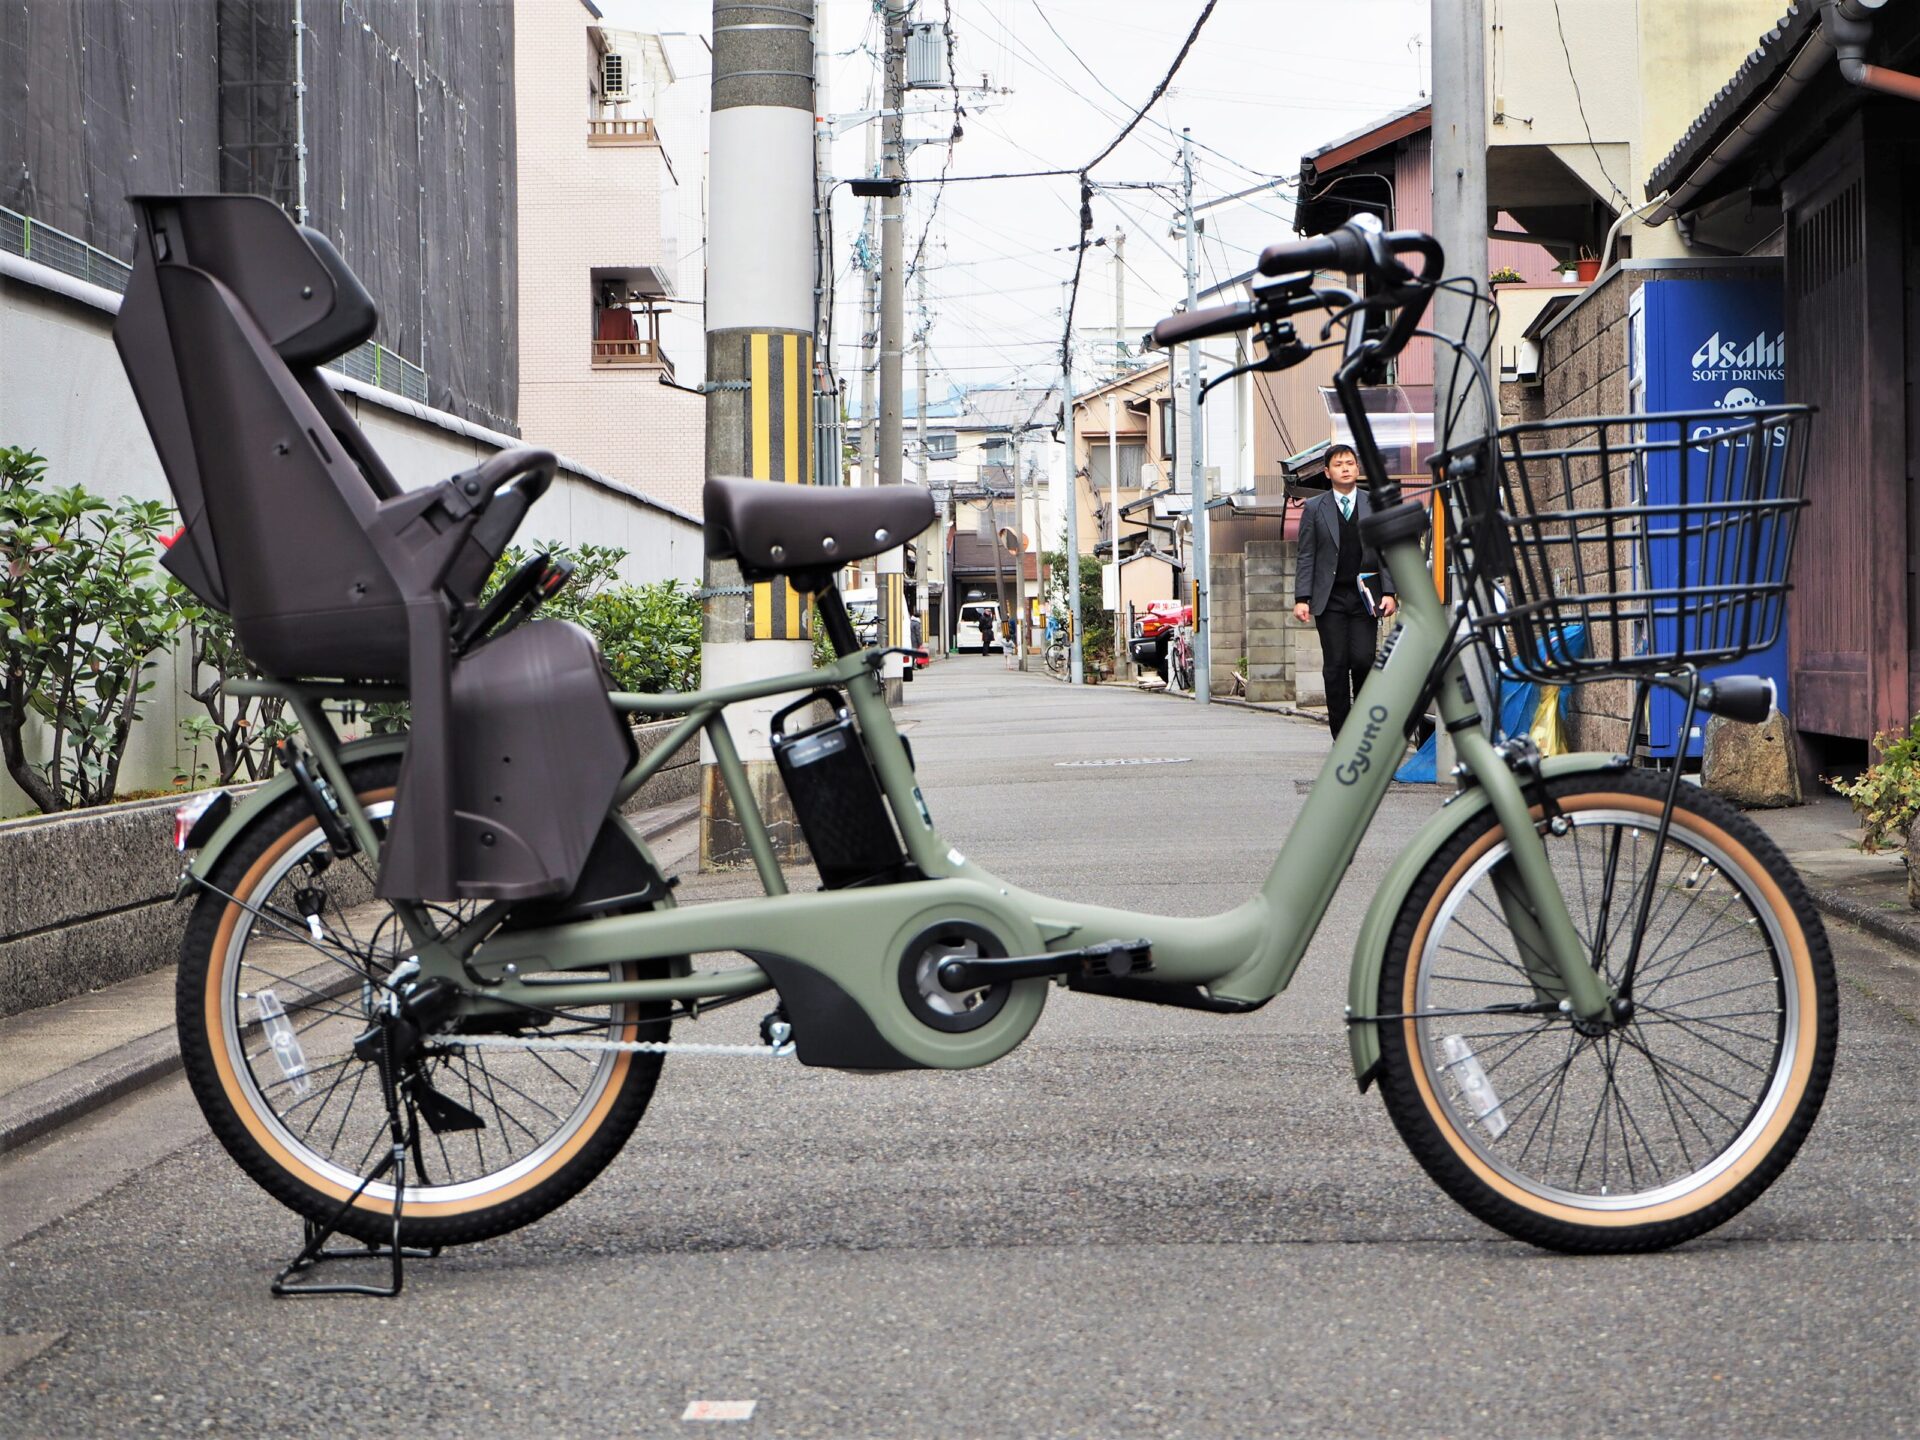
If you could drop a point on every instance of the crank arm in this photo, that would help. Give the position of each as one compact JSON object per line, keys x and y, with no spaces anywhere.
{"x":1113,"y":957}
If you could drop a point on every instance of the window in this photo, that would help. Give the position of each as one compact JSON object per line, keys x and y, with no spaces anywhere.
{"x":1133,"y":456}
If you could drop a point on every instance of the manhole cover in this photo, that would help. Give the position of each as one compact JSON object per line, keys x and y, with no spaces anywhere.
{"x":1137,"y":760}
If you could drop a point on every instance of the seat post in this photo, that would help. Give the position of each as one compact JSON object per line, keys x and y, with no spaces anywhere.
{"x":833,"y":615}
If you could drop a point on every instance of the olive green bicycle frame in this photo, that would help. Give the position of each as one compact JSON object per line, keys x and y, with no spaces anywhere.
{"x":855,"y":937}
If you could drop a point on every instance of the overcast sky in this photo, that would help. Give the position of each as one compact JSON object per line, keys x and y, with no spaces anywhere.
{"x":1267,"y":81}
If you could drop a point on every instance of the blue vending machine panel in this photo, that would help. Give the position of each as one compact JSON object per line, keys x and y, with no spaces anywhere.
{"x":1708,"y":344}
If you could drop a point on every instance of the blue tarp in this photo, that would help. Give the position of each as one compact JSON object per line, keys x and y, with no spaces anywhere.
{"x":1519,"y":701}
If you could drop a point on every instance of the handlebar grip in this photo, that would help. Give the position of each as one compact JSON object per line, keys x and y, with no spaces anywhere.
{"x":1343,"y":249}
{"x":1198,"y":324}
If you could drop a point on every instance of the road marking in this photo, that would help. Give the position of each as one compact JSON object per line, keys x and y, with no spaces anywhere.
{"x":719,"y":1410}
{"x":1142,"y":760}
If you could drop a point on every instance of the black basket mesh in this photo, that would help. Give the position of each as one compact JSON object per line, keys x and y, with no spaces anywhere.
{"x":1629,"y":545}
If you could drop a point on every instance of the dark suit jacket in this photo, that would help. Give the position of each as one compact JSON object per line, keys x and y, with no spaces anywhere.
{"x":1320,"y":550}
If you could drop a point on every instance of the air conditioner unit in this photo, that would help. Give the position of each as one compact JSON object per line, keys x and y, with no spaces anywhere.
{"x":613,"y":77}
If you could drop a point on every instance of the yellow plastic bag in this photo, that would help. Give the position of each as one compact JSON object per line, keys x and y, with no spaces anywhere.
{"x":1547,"y":730}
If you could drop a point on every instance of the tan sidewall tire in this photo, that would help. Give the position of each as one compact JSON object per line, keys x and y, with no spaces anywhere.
{"x":319,"y":1195}
{"x":1810,"y":1064}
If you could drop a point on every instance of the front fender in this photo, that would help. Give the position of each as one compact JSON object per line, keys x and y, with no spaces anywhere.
{"x":1370,"y":953}
{"x":371,"y":747}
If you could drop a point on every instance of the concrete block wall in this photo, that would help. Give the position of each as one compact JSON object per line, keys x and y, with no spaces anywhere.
{"x":1227,"y":616}
{"x":86,"y":897}
{"x":1269,"y":599}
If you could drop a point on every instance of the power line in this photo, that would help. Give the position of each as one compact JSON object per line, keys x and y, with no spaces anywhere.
{"x":1047,"y":20}
{"x":1561,"y":26}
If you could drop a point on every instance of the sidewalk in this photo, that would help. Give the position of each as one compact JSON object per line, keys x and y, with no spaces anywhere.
{"x":65,"y":1061}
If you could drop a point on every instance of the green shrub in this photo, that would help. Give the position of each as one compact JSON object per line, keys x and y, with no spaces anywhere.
{"x":82,"y":612}
{"x":1887,"y":795}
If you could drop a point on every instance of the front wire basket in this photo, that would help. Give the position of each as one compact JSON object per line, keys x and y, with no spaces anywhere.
{"x":1631,"y":545}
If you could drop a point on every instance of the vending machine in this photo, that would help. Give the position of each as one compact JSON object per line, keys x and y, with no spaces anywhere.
{"x":1703,"y":345}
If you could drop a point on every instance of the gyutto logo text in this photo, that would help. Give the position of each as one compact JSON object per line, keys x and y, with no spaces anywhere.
{"x":1764,"y":357}
{"x":1362,"y":761}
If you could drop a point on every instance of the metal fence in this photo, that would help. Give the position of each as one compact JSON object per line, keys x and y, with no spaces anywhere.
{"x":39,"y":242}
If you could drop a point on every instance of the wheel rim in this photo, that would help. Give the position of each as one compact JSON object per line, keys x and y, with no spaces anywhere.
{"x":535,"y":1104}
{"x":1649,"y":1116}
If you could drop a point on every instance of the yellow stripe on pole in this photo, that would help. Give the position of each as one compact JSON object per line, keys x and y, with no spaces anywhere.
{"x":792,"y":380}
{"x":762,"y":467}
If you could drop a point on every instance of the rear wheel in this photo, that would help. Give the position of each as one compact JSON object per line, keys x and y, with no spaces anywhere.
{"x":280,"y":972}
{"x":1628,"y":1136}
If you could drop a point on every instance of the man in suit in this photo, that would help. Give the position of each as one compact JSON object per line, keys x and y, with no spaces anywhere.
{"x":1328,"y":590}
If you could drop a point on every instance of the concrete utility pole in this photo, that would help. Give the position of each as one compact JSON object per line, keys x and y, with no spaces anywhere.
{"x":1113,"y":531}
{"x":1076,"y":667}
{"x":825,"y":411}
{"x":1197,"y":497}
{"x":1019,"y":616}
{"x":924,"y":570}
{"x":891,"y":567}
{"x":760,"y":315}
{"x":1460,"y":225}
{"x":870,"y":335}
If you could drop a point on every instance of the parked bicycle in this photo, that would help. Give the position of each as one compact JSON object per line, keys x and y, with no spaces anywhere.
{"x":428,"y":981}
{"x":1180,"y":659}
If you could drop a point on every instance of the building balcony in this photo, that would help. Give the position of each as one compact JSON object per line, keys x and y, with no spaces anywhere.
{"x":630,"y":354}
{"x":621,"y":132}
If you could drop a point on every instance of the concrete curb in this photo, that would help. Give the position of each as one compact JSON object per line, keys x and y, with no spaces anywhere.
{"x":47,"y":1105}
{"x":1905,"y":935}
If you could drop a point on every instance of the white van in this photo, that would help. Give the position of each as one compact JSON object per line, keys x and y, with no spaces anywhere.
{"x":863,"y":609}
{"x":967,"y":637}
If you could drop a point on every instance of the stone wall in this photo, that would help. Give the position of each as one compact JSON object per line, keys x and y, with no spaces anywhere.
{"x":1227,"y":618}
{"x":1283,"y":656}
{"x":86,"y":897}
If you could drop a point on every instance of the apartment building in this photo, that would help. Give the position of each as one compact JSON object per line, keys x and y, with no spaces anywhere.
{"x":612,"y":146}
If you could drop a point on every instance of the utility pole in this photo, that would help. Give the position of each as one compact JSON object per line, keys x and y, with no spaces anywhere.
{"x":1076,"y":670}
{"x":825,"y":410}
{"x":760,"y":317}
{"x":1460,"y":225}
{"x":870,"y":334}
{"x":1019,"y":616}
{"x":1196,"y":461}
{"x":1024,"y":478}
{"x":1113,"y":530}
{"x":924,"y":570}
{"x":891,"y":566}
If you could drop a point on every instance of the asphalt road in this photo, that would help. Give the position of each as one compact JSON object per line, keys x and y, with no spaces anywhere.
{"x":1144,"y":1222}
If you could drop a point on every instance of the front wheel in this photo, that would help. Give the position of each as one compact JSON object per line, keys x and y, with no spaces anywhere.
{"x":1622,"y":1137}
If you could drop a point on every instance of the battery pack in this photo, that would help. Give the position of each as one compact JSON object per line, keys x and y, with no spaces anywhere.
{"x":837,"y":797}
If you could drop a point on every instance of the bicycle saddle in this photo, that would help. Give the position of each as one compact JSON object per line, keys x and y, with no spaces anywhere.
{"x":776,"y":529}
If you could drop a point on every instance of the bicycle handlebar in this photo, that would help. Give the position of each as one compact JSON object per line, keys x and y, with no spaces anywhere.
{"x":1353,"y":249}
{"x":1198,"y":324}
{"x":1344,"y":249}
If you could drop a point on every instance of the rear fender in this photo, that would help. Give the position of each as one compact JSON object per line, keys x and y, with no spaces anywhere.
{"x":268,"y":794}
{"x":1370,"y":953}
